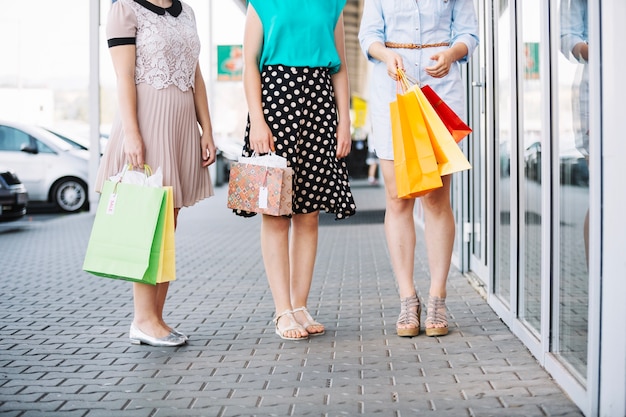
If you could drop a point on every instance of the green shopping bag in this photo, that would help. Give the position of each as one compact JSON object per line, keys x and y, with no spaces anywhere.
{"x":127,"y":233}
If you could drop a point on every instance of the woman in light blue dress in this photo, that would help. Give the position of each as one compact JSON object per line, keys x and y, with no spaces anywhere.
{"x":428,"y":39}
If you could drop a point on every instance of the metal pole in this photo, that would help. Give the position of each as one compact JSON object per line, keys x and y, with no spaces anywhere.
{"x":210,"y":81}
{"x":94,"y":100}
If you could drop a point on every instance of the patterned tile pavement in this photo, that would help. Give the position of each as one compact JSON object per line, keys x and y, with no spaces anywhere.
{"x":64,"y":347}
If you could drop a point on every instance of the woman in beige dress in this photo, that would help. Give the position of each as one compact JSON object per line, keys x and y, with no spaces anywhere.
{"x":163,"y":121}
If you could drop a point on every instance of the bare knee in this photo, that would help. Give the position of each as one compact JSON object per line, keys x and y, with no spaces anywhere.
{"x":438,"y":201}
{"x":276,"y":224}
{"x":306,"y":221}
{"x":400,"y":206}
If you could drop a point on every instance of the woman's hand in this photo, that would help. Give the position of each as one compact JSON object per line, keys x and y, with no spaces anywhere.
{"x":443,"y":62}
{"x":261,"y":139}
{"x":344,"y":141}
{"x":134,"y":150}
{"x":394,"y":62}
{"x":209,"y":152}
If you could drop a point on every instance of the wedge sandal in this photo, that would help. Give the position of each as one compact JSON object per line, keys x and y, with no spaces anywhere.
{"x":436,"y":318}
{"x":409,"y":318}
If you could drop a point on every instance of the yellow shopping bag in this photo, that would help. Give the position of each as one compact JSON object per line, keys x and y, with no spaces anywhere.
{"x":415,"y":165}
{"x":457,"y":127}
{"x":449,"y":156}
{"x":167,"y":260}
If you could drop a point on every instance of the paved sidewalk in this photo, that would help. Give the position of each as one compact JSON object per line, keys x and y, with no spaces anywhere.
{"x":64,"y":347}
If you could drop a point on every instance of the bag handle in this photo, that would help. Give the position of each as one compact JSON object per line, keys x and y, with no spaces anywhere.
{"x":270,"y":159}
{"x":146,"y":169}
{"x":404,"y":81}
{"x":266,"y":166}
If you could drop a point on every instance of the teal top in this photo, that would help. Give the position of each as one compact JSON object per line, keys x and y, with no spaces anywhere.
{"x":299,"y":33}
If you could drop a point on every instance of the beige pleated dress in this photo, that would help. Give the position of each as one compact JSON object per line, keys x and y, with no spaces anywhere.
{"x":168,"y":47}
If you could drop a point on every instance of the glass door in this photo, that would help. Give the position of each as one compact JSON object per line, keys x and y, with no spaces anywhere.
{"x":475,"y":227}
{"x":571,"y":220}
{"x":520,"y":137}
{"x":532,"y":154}
{"x":504,"y":66}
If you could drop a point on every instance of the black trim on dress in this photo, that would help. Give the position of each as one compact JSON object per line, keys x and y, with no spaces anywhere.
{"x":121,"y":41}
{"x":175,"y":9}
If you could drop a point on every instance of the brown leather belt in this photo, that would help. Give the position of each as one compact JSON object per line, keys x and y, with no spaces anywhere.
{"x":414,"y":45}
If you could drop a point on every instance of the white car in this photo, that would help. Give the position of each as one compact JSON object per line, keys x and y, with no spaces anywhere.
{"x":51,"y":169}
{"x":78,"y":142}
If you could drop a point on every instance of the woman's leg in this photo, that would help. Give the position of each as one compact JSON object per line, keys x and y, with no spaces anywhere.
{"x":147,"y":315}
{"x":400,"y":231}
{"x":149,"y":302}
{"x":275,"y":250}
{"x":303,"y":251}
{"x":161,"y":296}
{"x":439,"y":236}
{"x":162,"y":288}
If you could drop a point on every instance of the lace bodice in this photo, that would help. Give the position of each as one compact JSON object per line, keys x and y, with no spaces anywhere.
{"x":168,"y":47}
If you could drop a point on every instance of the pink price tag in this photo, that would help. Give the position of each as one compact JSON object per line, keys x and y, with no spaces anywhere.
{"x":111,"y":204}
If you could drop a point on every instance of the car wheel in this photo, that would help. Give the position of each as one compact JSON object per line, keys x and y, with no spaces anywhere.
{"x":70,"y":195}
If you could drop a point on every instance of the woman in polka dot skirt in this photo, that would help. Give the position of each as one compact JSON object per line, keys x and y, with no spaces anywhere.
{"x":296,"y":85}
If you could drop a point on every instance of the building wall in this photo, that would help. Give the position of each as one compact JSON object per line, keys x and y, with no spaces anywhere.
{"x":550,"y":253}
{"x":609,"y":121}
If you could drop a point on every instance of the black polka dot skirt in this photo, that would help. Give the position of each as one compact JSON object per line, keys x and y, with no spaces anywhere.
{"x":299,"y":108}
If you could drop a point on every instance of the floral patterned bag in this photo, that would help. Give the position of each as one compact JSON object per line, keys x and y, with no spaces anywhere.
{"x":261,"y":184}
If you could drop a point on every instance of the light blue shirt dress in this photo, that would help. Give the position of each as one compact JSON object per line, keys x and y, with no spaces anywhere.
{"x":418,"y":22}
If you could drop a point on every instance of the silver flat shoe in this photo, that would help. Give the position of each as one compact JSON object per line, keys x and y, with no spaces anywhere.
{"x":138,"y":337}
{"x":180,"y":334}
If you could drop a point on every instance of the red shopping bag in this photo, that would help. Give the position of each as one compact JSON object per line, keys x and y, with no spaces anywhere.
{"x":450,"y":158}
{"x":457,"y":127}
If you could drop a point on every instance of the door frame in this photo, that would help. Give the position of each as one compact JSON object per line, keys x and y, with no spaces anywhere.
{"x":480,"y":149}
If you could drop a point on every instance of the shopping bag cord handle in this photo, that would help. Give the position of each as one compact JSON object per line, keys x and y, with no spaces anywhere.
{"x":146,"y":168}
{"x":404,"y":81}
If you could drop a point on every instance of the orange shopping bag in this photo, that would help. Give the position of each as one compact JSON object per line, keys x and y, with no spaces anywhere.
{"x":449,"y":156}
{"x":415,"y":165}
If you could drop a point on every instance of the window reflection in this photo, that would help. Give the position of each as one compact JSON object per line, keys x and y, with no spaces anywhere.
{"x":504,"y":92}
{"x":533,"y":140}
{"x":573,"y":151}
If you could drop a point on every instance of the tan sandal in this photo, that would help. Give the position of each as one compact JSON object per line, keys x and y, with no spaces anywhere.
{"x":309,"y":322}
{"x":294,"y":325}
{"x":410,"y":312}
{"x":436,"y":317}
